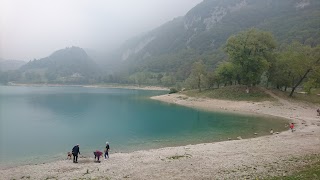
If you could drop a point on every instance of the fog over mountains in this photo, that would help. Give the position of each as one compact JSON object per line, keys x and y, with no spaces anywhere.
{"x":174,"y":46}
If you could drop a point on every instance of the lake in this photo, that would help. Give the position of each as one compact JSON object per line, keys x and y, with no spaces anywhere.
{"x":39,"y":124}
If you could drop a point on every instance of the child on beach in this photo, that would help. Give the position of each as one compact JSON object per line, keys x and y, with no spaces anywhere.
{"x":292,"y":127}
{"x":97,"y":155}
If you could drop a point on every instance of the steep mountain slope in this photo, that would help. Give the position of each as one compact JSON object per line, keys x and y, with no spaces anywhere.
{"x":206,"y":27}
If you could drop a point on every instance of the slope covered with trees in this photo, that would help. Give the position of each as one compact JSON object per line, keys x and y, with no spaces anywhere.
{"x":69,"y":65}
{"x":171,"y":49}
{"x":217,"y":43}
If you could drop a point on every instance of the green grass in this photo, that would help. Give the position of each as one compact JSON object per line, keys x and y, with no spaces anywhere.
{"x":309,"y":172}
{"x":236,"y":93}
{"x":257,"y":94}
{"x":179,"y":156}
{"x":312,"y":98}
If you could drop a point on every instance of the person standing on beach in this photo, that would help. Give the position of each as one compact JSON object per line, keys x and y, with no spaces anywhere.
{"x":106,"y":151}
{"x":75,"y":152}
{"x":292,"y":127}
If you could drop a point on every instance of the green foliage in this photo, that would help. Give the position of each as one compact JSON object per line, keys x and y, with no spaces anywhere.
{"x":180,"y":42}
{"x":198,"y":74}
{"x":173,"y":90}
{"x":309,"y":172}
{"x":211,"y":80}
{"x":309,"y":98}
{"x":226,"y":72}
{"x":176,"y":157}
{"x":67,"y":66}
{"x":168,"y":80}
{"x":250,"y":51}
{"x":9,"y":76}
{"x":297,"y":62}
{"x":166,"y":55}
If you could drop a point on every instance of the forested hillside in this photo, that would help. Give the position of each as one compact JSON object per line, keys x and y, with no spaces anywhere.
{"x":69,"y":65}
{"x":202,"y":32}
{"x":202,"y":49}
{"x":8,"y":65}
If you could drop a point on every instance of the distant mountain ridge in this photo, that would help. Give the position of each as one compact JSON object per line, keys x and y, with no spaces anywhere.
{"x":9,"y":65}
{"x":206,"y":27}
{"x":63,"y":65}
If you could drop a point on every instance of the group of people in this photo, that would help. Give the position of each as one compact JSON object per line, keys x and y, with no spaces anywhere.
{"x":97,"y":153}
{"x":291,"y":125}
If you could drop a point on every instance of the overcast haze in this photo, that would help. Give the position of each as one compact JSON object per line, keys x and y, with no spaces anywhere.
{"x":35,"y":28}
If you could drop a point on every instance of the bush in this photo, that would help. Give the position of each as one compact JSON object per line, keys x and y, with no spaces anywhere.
{"x":173,"y":90}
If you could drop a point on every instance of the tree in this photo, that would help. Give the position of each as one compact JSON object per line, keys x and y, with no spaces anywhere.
{"x":211,"y":79}
{"x":168,"y":80}
{"x":139,"y":78}
{"x":302,"y":61}
{"x":251,"y":50}
{"x":159,"y":77}
{"x":279,"y":73}
{"x":198,"y":74}
{"x":226,"y":72}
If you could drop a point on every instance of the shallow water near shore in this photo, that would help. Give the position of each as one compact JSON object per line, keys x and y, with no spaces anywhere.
{"x":41,"y":124}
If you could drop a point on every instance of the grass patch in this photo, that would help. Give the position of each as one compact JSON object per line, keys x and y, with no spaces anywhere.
{"x":51,"y":177}
{"x":312,"y":98}
{"x":25,"y":177}
{"x":308,"y":172}
{"x":175,"y":157}
{"x":236,"y":93}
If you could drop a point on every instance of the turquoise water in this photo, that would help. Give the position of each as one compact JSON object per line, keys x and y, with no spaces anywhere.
{"x":44,"y":123}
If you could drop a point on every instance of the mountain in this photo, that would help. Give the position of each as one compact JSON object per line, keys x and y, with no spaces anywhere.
{"x":69,"y":65}
{"x":8,"y":65}
{"x":202,"y":32}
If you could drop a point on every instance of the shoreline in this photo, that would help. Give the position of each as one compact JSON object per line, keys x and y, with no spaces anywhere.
{"x":236,"y":159}
{"x":294,"y":112}
{"x":156,"y":88}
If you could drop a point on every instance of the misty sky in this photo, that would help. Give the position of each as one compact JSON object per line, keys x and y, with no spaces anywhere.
{"x":35,"y":28}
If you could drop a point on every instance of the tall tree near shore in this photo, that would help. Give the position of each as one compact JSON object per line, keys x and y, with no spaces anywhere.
{"x":250,"y":50}
{"x":198,"y":75}
{"x":279,"y":73}
{"x":227,"y":72}
{"x":302,"y":61}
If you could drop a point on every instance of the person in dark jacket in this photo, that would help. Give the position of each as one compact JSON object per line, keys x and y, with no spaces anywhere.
{"x":75,"y":152}
{"x":106,"y":151}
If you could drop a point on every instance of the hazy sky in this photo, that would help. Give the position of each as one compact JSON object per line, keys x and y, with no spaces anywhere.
{"x":35,"y":28}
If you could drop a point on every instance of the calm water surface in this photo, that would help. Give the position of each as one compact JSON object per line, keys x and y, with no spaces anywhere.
{"x":44,"y":123}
